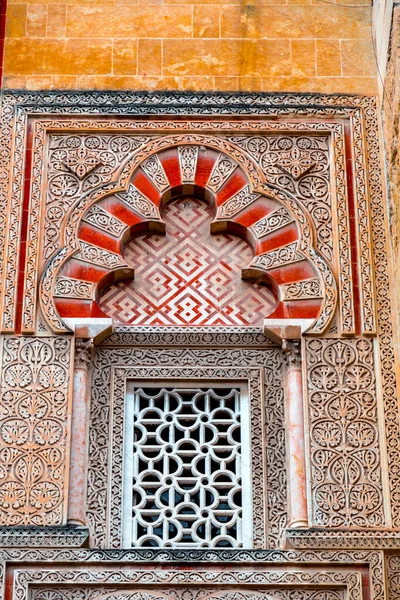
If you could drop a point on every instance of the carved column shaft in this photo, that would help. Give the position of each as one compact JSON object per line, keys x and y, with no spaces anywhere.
{"x":77,"y":473}
{"x":297,"y":492}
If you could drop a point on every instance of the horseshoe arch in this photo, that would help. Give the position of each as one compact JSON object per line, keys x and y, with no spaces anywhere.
{"x":274,"y":222}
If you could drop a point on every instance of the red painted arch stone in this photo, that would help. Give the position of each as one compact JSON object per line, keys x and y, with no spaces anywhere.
{"x":274,"y":222}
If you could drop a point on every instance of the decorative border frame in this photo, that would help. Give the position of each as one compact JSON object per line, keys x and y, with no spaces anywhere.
{"x":374,"y":560}
{"x":28,"y":104}
{"x":113,"y":365}
{"x":225,"y":337}
{"x":145,"y":578}
{"x":67,"y":536}
{"x":195,"y":593}
{"x":164,"y":129}
{"x":393,"y":575}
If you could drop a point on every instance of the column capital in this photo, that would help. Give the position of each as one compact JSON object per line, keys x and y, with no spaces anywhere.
{"x":83,"y":353}
{"x":292,"y":352}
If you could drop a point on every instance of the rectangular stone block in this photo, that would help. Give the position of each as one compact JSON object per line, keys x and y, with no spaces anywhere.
{"x":227,"y":84}
{"x":226,"y":58}
{"x":206,"y":21}
{"x":56,"y":20}
{"x":14,"y":83}
{"x":16,"y":20}
{"x":36,"y":20}
{"x":328,"y":57}
{"x":150,"y":57}
{"x":64,"y":82}
{"x":39,"y":82}
{"x":295,"y":21}
{"x":351,"y":52}
{"x":106,"y":82}
{"x":303,"y":58}
{"x":125,"y":57}
{"x":327,"y":85}
{"x":149,"y":21}
{"x":26,"y":56}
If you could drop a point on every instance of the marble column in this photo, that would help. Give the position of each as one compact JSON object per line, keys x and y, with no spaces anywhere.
{"x":77,"y":474}
{"x":297,"y":492}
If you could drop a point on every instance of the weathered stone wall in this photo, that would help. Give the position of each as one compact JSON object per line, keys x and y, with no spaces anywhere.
{"x":255,"y":45}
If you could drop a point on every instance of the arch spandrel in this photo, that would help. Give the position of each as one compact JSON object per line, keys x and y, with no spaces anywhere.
{"x":275,"y":224}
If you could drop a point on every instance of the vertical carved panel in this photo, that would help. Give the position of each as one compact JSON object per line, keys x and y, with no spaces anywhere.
{"x":344,"y":440}
{"x":275,"y":453}
{"x":34,"y":390}
{"x":393,"y":576}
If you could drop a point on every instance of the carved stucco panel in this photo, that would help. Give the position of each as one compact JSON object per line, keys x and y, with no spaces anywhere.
{"x":393,"y":576}
{"x":35,"y":379}
{"x":67,"y":149}
{"x":345,"y":463}
{"x":16,"y":106}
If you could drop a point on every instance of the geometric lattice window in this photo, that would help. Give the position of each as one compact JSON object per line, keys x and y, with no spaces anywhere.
{"x":187,"y":474}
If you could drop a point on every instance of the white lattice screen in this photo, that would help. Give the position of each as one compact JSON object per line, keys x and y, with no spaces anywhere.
{"x":187,"y":467}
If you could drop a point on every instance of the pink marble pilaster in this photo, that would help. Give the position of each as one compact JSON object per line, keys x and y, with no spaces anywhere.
{"x":298,"y":514}
{"x":77,"y":473}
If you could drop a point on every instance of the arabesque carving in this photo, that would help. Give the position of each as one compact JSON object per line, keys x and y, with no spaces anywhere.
{"x":335,"y":129}
{"x":346,"y":478}
{"x":299,"y":164}
{"x":323,"y":566}
{"x":393,"y":575}
{"x":33,"y":430}
{"x":294,"y":580}
{"x":359,"y":113}
{"x":227,"y":160}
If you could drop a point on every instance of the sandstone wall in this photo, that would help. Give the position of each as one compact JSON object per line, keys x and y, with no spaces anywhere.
{"x":268,"y":45}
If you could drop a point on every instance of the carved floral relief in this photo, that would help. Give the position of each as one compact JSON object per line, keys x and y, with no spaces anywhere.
{"x":35,"y":379}
{"x":346,"y":477}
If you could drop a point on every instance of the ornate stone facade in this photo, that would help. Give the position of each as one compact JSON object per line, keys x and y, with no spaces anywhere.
{"x":298,"y":178}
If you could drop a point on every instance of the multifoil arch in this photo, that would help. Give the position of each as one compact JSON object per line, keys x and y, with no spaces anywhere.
{"x":273,"y":221}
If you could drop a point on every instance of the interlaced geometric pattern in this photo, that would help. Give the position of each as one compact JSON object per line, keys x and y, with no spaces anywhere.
{"x":188,"y":276}
{"x":187,"y":469}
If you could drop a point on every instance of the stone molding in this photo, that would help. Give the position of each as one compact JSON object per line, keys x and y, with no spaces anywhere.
{"x":52,"y":537}
{"x":342,"y":539}
{"x":83,"y":560}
